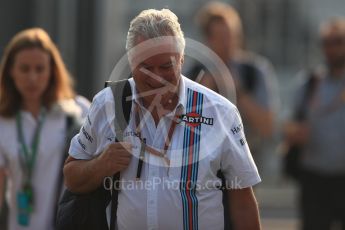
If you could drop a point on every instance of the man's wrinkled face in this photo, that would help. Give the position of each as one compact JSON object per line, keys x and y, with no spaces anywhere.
{"x":157,"y":74}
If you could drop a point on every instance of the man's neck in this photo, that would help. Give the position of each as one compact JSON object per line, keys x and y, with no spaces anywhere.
{"x":163,"y":103}
{"x":162,"y":108}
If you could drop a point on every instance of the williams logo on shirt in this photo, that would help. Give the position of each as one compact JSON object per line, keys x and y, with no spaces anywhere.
{"x":87,"y":135}
{"x":81,"y":144}
{"x":237,"y":129}
{"x":89,"y":120}
{"x":194,"y":119}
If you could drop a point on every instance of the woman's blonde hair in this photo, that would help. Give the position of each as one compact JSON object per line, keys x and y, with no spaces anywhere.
{"x":60,"y":84}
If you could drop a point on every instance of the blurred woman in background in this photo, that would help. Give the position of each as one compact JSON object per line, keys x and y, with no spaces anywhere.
{"x":36,"y":97}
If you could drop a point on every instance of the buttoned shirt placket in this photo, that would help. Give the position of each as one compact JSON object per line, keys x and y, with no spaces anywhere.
{"x":155,"y":137}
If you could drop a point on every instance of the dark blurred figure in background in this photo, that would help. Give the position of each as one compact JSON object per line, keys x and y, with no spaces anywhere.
{"x":222,"y":28}
{"x":320,"y":132}
{"x":36,"y":99}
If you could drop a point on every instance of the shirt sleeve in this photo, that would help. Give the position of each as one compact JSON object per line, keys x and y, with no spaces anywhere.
{"x":95,"y":133}
{"x":237,"y":163}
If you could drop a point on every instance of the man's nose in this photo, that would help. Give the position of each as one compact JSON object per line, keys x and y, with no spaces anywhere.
{"x":164,"y":74}
{"x":157,"y":74}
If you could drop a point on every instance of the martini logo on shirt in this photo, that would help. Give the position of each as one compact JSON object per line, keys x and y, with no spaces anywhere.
{"x":194,"y":119}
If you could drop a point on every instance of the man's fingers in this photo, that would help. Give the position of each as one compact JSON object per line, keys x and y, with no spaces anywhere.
{"x":124,"y":156}
{"x":121,"y":153}
{"x":121,"y":145}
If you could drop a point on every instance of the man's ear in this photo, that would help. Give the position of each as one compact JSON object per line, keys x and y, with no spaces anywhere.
{"x":182,"y":59}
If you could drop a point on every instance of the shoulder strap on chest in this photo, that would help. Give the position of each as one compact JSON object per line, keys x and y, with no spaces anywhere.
{"x":123,"y":103}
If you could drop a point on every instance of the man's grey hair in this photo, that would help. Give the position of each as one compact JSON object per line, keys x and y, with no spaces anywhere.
{"x":154,"y":24}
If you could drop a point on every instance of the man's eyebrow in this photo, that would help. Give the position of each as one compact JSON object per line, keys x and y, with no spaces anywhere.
{"x":143,"y":64}
{"x":167,"y":63}
{"x":164,"y":64}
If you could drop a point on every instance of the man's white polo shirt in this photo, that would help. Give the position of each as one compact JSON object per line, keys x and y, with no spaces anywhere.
{"x":184,"y":195}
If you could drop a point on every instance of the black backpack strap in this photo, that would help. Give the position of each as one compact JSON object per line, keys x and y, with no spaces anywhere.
{"x":248,"y":73}
{"x":121,"y":90}
{"x":301,"y":111}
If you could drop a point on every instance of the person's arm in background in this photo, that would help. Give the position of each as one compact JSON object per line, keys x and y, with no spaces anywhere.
{"x":2,"y":186}
{"x":244,"y":211}
{"x":259,"y":115}
{"x":260,"y":118}
{"x":258,"y":106}
{"x":296,"y":133}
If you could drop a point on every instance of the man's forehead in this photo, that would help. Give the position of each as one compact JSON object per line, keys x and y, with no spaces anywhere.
{"x":160,"y":59}
{"x":165,"y":44}
{"x":149,"y":49}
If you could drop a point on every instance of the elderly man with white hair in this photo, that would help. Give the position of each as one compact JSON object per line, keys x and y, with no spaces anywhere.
{"x":188,"y":133}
